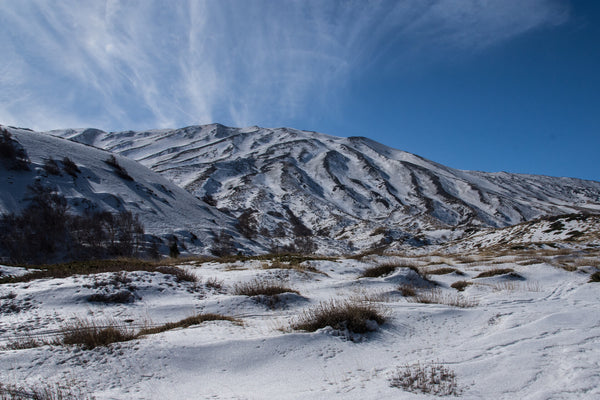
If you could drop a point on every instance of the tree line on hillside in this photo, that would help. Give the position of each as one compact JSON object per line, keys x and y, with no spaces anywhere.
{"x":46,"y":232}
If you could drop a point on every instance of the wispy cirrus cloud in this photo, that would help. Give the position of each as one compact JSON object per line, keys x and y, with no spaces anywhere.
{"x":141,"y":64}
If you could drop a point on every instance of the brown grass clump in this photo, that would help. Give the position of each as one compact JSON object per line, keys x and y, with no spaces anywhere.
{"x":444,"y":271}
{"x":187,"y":322}
{"x":89,"y":334}
{"x":595,"y":277}
{"x":261,"y":287}
{"x":407,"y":290}
{"x":65,"y":270}
{"x":379,"y":270}
{"x":354,"y":316}
{"x":495,"y":272}
{"x":180,"y":274}
{"x":461,"y":285}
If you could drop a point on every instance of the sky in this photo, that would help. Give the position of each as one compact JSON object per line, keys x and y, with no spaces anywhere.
{"x":489,"y":85}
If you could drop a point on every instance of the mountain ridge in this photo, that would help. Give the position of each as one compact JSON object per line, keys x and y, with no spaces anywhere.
{"x":342,"y":190}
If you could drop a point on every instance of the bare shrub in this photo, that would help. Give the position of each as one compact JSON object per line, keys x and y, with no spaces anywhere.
{"x":215,"y":284}
{"x":41,"y":392}
{"x":354,"y":316}
{"x":407,"y":290}
{"x":595,"y":277}
{"x":70,"y":167}
{"x":90,"y":334}
{"x":12,"y":152}
{"x":51,"y":167}
{"x":119,"y":170}
{"x":431,"y":378}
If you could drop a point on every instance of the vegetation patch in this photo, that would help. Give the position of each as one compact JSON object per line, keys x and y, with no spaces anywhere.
{"x":119,"y":170}
{"x":262,"y":287}
{"x":595,"y":277}
{"x":353,"y":316}
{"x":120,"y":297}
{"x":495,"y":272}
{"x":180,"y":274}
{"x":89,"y":334}
{"x":187,"y":322}
{"x":379,"y":270}
{"x":461,"y":285}
{"x":444,"y":271}
{"x":65,"y":270}
{"x":302,"y":267}
{"x":436,"y":296}
{"x":431,"y":378}
{"x":41,"y":392}
{"x":407,"y":290}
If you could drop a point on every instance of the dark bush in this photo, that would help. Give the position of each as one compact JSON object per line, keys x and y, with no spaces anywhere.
{"x":70,"y":167}
{"x":12,"y":152}
{"x":119,"y":170}
{"x":45,"y":231}
{"x":121,"y":297}
{"x":51,"y":167}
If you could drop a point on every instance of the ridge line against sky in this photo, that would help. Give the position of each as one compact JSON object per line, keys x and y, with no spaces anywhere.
{"x":473,"y":84}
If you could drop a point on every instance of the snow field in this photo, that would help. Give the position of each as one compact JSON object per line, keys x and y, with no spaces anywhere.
{"x":530,"y":337}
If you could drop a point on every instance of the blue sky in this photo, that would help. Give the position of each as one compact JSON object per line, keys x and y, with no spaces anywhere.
{"x":492,"y":85}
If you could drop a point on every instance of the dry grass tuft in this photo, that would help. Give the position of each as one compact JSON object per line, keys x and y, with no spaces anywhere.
{"x":495,"y":272}
{"x":407,"y":290}
{"x":262,"y":287}
{"x":595,"y":277}
{"x":461,"y":285}
{"x":444,"y":271}
{"x":180,"y":274}
{"x":187,"y":322}
{"x":379,"y":270}
{"x":432,"y":378}
{"x":41,"y":392}
{"x":436,"y":296}
{"x":353,"y":316}
{"x":89,"y":334}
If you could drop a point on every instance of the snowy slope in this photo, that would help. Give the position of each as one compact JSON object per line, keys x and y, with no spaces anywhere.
{"x":572,"y":231}
{"x":534,"y":337}
{"x":352,"y":190}
{"x":163,"y":207}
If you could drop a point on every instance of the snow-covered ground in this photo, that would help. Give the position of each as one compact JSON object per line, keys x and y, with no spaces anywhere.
{"x":532,"y":334}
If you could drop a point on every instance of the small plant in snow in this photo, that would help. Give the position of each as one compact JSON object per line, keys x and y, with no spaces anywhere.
{"x":431,"y":378}
{"x":353,"y":316}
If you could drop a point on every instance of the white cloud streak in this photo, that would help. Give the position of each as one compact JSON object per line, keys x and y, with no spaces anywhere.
{"x":141,"y":64}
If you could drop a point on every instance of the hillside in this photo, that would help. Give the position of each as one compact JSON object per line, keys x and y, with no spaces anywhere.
{"x":345,"y":194}
{"x":163,"y":207}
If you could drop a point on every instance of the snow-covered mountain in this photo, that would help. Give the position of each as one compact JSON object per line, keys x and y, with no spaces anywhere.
{"x":345,"y":193}
{"x":163,"y":207}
